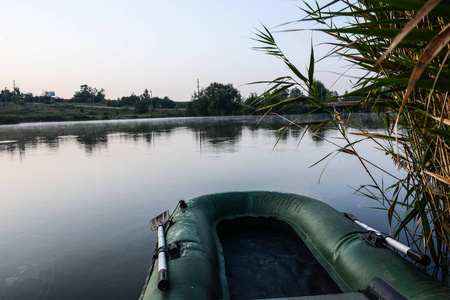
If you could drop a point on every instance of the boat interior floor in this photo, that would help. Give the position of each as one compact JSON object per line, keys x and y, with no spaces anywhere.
{"x":265,"y":258}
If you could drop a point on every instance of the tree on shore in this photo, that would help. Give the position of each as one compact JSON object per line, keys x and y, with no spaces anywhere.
{"x":87,"y":94}
{"x":5,"y":96}
{"x":216,"y":100}
{"x":323,"y":93}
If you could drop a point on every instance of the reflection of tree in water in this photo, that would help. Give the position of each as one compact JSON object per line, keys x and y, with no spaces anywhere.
{"x":226,"y":133}
{"x":319,"y":133}
{"x":96,"y":135}
{"x":91,"y":135}
{"x":287,"y":133}
{"x":218,"y":135}
{"x":212,"y":132}
{"x":18,"y":141}
{"x":12,"y":147}
{"x":51,"y":142}
{"x":93,"y":142}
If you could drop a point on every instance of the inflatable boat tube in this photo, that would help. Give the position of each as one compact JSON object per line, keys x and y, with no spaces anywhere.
{"x":261,"y":245}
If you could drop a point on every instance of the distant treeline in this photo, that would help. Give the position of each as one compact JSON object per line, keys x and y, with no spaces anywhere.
{"x":220,"y":99}
{"x":215,"y":100}
{"x":89,"y":95}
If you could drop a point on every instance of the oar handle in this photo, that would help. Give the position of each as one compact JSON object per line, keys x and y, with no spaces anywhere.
{"x":416,"y":255}
{"x":163,"y":276}
{"x":163,"y":280}
{"x":421,"y":258}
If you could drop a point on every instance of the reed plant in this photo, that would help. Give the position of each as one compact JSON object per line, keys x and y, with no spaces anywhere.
{"x":403,"y":48}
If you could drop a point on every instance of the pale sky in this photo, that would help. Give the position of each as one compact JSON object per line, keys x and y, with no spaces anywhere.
{"x":127,"y":46}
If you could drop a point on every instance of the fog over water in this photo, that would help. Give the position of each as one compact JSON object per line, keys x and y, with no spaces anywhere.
{"x":76,"y":198}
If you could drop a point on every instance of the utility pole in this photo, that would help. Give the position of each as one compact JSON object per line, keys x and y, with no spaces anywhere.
{"x":151,"y":97}
{"x":198,"y":87}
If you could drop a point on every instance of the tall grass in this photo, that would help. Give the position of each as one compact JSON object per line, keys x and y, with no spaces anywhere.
{"x":403,"y":47}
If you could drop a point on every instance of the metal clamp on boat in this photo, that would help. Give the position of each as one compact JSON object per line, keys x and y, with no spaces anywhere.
{"x":176,"y":250}
{"x":421,"y":258}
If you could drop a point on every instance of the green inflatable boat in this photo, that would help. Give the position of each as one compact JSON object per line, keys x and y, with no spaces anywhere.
{"x":267,"y":245}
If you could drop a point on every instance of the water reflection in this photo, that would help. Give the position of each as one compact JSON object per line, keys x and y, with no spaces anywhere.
{"x":74,"y":221}
{"x":209,"y":132}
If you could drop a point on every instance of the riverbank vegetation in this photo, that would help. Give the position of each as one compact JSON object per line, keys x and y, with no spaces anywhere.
{"x":403,"y":47}
{"x":89,"y":103}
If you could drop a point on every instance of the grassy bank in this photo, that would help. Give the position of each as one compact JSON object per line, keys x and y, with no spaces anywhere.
{"x":11,"y":113}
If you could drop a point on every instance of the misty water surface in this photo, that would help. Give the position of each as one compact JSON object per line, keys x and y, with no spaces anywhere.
{"x":76,"y":198}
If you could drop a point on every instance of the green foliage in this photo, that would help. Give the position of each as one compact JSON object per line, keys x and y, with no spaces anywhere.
{"x":163,"y":103}
{"x":323,"y":93}
{"x":9,"y":119}
{"x":14,"y":103}
{"x":145,"y":96}
{"x":129,"y":100}
{"x":5,"y":96}
{"x":404,"y":48}
{"x":87,"y":94}
{"x":281,"y":101}
{"x":144,"y":103}
{"x":248,"y":103}
{"x":216,"y":100}
{"x":141,"y":106}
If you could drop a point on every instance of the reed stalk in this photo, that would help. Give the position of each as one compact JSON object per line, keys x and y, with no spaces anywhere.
{"x":404,"y":48}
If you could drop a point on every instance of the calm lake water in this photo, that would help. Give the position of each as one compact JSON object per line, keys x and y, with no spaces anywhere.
{"x":76,"y":198}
